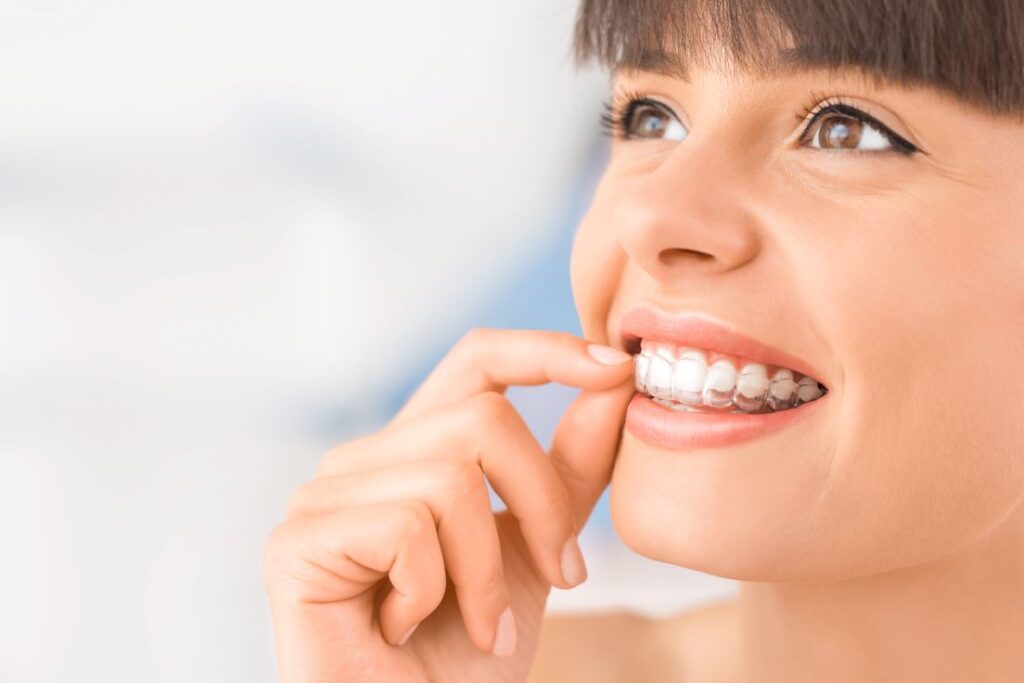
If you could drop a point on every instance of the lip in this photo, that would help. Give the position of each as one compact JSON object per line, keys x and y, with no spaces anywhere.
{"x":666,"y":428}
{"x":706,"y":332}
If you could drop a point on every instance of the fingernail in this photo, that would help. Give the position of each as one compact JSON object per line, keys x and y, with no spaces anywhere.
{"x":574,"y":571}
{"x":606,"y":355}
{"x":401,"y":641}
{"x":505,"y":638}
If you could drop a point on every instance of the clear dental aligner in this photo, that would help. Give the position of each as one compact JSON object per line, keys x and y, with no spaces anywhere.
{"x":681,"y":378}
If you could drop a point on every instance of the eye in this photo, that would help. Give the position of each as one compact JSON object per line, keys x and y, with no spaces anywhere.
{"x":838,"y":126}
{"x":846,"y":132}
{"x":636,"y":116}
{"x":653,"y":121}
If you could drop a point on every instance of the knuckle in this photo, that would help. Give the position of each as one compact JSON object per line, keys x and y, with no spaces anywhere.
{"x":461,"y":477}
{"x":552,"y":510}
{"x":474,"y":338}
{"x":329,"y":461}
{"x":332,"y":460}
{"x":489,"y":584}
{"x":566,"y":341}
{"x":326,"y":462}
{"x":471,"y":345}
{"x":295,"y":506}
{"x":414,"y":519}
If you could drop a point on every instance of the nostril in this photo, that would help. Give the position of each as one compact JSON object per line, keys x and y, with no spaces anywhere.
{"x":670,"y":256}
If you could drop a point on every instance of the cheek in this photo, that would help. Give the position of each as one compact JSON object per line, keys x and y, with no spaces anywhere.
{"x":921,"y":450}
{"x":595,"y":269}
{"x":580,"y":274}
{"x":931,"y":320}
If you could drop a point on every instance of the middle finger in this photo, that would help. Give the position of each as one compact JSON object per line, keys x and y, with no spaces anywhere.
{"x":487,"y":431}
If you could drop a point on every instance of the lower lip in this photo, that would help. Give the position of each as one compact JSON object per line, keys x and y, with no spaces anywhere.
{"x":679,"y":430}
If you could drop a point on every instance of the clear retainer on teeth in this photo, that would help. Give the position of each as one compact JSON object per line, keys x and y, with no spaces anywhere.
{"x":691,"y":382}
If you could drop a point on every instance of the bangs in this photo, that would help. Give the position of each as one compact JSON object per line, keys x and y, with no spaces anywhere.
{"x":972,"y":49}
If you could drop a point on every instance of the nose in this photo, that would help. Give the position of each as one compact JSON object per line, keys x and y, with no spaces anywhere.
{"x":688,"y":217}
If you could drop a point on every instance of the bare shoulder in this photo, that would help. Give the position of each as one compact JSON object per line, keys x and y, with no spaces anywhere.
{"x":698,"y":645}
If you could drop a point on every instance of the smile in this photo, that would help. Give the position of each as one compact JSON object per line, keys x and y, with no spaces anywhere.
{"x":681,"y":378}
{"x":701,"y":383}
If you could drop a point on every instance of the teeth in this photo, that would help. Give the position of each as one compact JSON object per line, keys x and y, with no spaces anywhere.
{"x":719,"y":383}
{"x":751,"y":388}
{"x":666,"y":351}
{"x":782,"y":392}
{"x":807,"y":390}
{"x":753,"y":380}
{"x":643,"y":363}
{"x":688,"y":377}
{"x":659,"y":377}
{"x":688,"y":382}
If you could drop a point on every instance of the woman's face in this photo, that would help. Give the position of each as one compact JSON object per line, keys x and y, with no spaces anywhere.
{"x":899,"y":277}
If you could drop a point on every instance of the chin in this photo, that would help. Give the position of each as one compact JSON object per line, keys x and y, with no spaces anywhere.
{"x":735,"y":513}
{"x":761,"y":511}
{"x":725,"y":514}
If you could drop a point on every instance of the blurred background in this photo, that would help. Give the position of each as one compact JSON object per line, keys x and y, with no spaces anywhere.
{"x":232,"y":235}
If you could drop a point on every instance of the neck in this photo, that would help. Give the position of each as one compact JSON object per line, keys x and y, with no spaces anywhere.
{"x":959,"y":618}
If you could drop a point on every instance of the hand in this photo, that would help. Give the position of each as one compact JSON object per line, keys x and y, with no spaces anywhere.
{"x":392,"y":566}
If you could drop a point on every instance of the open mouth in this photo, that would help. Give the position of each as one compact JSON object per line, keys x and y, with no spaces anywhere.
{"x":704,"y":383}
{"x":692,"y":379}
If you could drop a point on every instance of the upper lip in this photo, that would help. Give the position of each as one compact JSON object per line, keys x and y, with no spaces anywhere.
{"x":706,"y":332}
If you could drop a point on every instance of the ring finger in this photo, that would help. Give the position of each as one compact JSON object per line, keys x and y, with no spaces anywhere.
{"x":456,"y":494}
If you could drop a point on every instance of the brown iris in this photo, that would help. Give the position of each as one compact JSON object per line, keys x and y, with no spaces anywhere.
{"x":651,"y":126}
{"x":838,"y":132}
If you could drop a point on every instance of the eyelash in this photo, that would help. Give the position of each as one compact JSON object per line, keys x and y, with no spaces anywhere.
{"x":617,"y":115}
{"x":618,"y":112}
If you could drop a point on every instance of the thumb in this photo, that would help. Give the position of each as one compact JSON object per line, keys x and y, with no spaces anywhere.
{"x":585,"y":443}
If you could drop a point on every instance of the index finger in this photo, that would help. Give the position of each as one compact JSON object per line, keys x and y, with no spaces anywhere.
{"x":492,"y":359}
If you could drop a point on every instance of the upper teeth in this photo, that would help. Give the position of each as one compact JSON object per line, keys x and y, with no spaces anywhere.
{"x":684,"y":375}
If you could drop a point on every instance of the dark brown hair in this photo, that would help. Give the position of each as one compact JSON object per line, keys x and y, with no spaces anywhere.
{"x":973,"y":49}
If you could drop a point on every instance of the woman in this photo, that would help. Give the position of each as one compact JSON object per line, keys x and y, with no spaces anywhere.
{"x":802,"y":283}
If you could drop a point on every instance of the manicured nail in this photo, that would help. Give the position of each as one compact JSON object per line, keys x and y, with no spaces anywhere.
{"x":574,"y":571}
{"x":401,"y":641}
{"x":505,"y":638}
{"x":607,"y":355}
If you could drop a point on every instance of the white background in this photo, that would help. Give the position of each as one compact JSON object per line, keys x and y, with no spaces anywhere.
{"x":231,"y":235}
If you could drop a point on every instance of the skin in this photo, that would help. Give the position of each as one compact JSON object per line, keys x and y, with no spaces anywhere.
{"x":365,"y":550}
{"x":881,"y":538}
